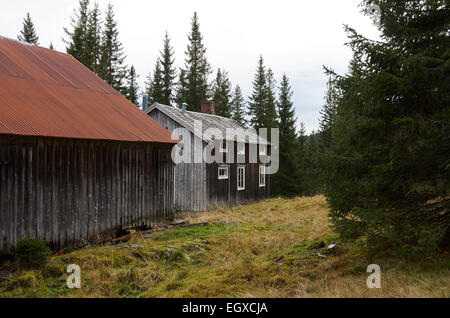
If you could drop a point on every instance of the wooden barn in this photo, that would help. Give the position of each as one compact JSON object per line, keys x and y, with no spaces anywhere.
{"x":77,"y":160}
{"x":204,"y":186}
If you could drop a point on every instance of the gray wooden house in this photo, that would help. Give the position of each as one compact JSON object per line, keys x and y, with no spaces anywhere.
{"x":78,"y":161}
{"x":205,"y":186}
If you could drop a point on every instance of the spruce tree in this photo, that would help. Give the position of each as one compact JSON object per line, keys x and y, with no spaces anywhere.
{"x":310,"y":168}
{"x":76,"y":44}
{"x":270,"y":112}
{"x":286,"y":181}
{"x":328,"y":112}
{"x":155,"y":88}
{"x":258,"y":99}
{"x":286,"y":111}
{"x":222,"y":94}
{"x":196,"y":69}
{"x":181,"y":89}
{"x":238,"y":106}
{"x":112,"y":69}
{"x":262,"y":103}
{"x":388,"y":166}
{"x":132,"y":88}
{"x":93,"y":40}
{"x":28,"y":33}
{"x":168,"y":71}
{"x":51,"y":47}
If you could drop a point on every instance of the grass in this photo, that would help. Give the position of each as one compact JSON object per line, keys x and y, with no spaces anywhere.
{"x":275,"y":248}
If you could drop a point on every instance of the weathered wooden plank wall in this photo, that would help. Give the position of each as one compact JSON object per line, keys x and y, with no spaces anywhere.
{"x":66,"y":190}
{"x":190,"y":178}
{"x":224,"y":192}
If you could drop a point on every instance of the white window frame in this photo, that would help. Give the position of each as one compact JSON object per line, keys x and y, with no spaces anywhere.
{"x":225,"y":168}
{"x":242,"y":187}
{"x":262,"y":173}
{"x":222,"y":144}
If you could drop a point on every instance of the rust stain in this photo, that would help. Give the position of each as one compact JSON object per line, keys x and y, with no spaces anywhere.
{"x":49,"y":93}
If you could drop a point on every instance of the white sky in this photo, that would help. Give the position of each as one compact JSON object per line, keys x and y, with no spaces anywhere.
{"x":295,"y":37}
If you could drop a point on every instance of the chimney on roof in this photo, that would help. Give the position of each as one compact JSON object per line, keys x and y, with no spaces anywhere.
{"x":144,"y":102}
{"x":208,"y":107}
{"x":183,"y":107}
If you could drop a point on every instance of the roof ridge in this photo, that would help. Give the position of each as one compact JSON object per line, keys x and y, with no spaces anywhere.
{"x":201,"y":113}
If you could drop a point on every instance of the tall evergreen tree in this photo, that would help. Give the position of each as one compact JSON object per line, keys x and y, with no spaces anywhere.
{"x":93,"y":40}
{"x":286,"y":111}
{"x":132,"y":88}
{"x":388,"y":168}
{"x":196,"y":69}
{"x":328,"y":112}
{"x":238,"y":106}
{"x":76,"y":44}
{"x":51,"y":47}
{"x":258,"y":99}
{"x":168,"y":71}
{"x":270,"y":112}
{"x":262,"y":103}
{"x":310,"y":168}
{"x":112,"y":69}
{"x":222,"y":94}
{"x":28,"y":33}
{"x":155,"y":88}
{"x":286,"y":181}
{"x":181,"y":89}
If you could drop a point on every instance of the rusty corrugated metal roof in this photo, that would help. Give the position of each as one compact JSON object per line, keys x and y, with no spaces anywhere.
{"x":48,"y":93}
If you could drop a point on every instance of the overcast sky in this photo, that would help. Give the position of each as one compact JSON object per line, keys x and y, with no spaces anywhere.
{"x":295,"y":37}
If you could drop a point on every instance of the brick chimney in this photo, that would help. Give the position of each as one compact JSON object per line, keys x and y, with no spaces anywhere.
{"x":208,"y":107}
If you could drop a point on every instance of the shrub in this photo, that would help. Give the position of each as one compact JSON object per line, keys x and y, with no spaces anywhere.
{"x":31,"y":252}
{"x":27,"y":279}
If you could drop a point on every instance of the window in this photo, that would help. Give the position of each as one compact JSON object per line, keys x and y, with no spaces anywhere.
{"x":241,"y":177}
{"x":223,"y":146}
{"x":223,"y":172}
{"x":262,"y":176}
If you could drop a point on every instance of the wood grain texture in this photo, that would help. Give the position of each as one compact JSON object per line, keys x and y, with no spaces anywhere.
{"x":67,"y":190}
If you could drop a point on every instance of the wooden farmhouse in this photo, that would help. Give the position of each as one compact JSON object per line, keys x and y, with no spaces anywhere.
{"x":201,"y":186}
{"x":77,"y":159}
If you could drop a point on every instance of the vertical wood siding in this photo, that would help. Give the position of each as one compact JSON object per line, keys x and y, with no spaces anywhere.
{"x":224,"y":192}
{"x":64,"y":191}
{"x":190,"y":178}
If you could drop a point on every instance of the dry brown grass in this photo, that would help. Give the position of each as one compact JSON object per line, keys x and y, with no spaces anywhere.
{"x":257,"y":250}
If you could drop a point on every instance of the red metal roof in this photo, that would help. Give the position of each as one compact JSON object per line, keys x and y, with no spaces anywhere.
{"x":48,"y":93}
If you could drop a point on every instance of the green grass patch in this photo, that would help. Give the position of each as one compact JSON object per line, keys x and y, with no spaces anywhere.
{"x":198,"y":231}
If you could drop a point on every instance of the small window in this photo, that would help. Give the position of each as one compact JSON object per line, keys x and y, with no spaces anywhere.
{"x":223,"y":146}
{"x":223,"y":172}
{"x":262,"y":176}
{"x":241,"y":177}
